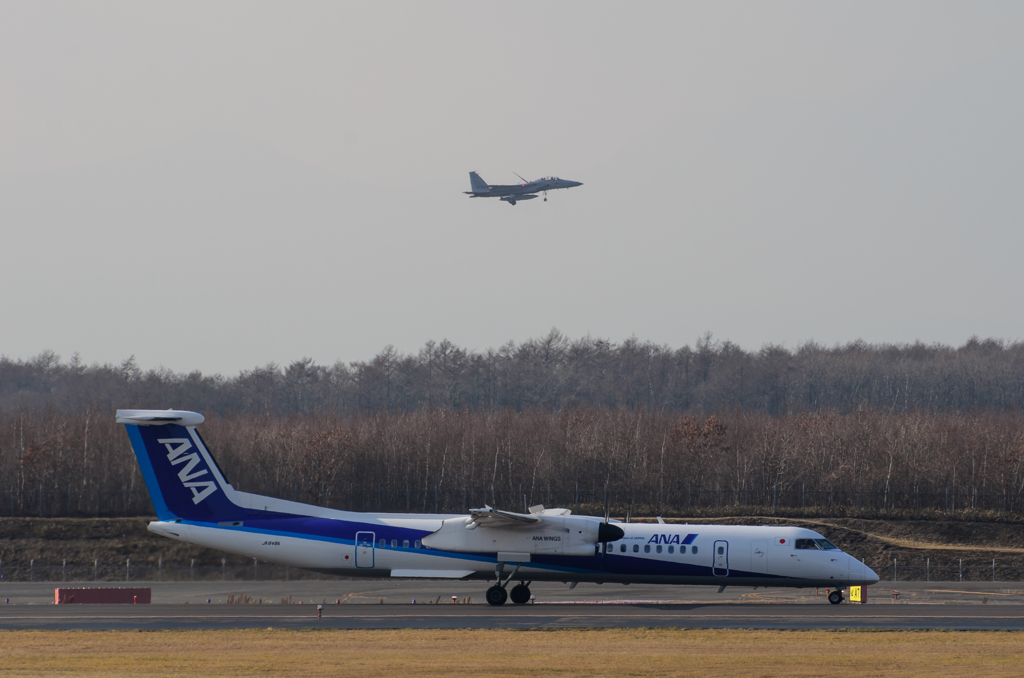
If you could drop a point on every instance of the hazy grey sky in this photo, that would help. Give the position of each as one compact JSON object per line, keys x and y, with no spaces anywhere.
{"x":219,"y":185}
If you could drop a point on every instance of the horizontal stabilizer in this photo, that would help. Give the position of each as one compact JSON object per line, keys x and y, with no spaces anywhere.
{"x":159,"y":417}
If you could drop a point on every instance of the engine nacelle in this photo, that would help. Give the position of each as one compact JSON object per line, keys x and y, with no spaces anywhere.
{"x":553,"y":535}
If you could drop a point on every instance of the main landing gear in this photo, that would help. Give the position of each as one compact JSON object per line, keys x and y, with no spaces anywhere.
{"x":520,"y":594}
{"x":835,"y":597}
{"x":497,"y":595}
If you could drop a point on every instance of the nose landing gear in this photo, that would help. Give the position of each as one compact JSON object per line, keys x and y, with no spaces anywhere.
{"x":835,"y":597}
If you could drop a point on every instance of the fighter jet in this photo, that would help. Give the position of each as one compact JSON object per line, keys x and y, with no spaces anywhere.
{"x":513,"y":193}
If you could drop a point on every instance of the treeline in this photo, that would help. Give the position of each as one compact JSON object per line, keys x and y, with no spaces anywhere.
{"x":551,"y":374}
{"x":867,"y":462}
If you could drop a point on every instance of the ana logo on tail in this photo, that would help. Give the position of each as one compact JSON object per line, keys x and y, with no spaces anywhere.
{"x":176,"y":448}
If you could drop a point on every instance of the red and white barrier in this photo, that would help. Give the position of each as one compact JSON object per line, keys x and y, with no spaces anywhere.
{"x":102,"y":596}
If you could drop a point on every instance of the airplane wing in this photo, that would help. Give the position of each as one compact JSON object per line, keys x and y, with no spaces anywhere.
{"x":542,"y":530}
{"x":490,"y":517}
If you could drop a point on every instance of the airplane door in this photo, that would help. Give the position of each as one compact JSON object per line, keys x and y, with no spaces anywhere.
{"x":721,"y":564}
{"x":364,"y":549}
{"x":759,"y":556}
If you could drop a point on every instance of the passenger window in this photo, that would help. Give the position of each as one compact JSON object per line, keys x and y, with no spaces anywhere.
{"x":405,"y":543}
{"x":394,"y":543}
{"x":658,"y":548}
{"x":382,"y":543}
{"x":671,"y":549}
{"x":622,"y":548}
{"x":721,"y":550}
{"x":806,"y":544}
{"x":647,"y":548}
{"x":416,"y":543}
{"x":636,"y":548}
{"x":693,"y":550}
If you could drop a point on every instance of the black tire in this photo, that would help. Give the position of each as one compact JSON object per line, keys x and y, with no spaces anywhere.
{"x":496,"y":595}
{"x":520,"y":594}
{"x":835,"y":597}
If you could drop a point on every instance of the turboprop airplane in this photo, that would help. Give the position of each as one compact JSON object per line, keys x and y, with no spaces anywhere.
{"x":512,"y":193}
{"x":196,"y":504}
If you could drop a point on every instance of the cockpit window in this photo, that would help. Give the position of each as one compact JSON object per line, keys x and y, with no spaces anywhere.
{"x":826,"y":545}
{"x":806,"y":544}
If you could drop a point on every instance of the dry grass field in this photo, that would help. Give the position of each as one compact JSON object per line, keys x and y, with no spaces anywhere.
{"x":669,"y":652}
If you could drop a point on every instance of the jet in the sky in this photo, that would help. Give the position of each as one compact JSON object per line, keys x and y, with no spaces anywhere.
{"x":196,"y":504}
{"x":511,"y":193}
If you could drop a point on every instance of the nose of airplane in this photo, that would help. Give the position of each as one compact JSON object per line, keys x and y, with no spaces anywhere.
{"x":860,"y":572}
{"x":573,"y":184}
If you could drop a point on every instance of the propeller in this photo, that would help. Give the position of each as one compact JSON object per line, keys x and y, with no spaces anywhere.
{"x":607,"y":532}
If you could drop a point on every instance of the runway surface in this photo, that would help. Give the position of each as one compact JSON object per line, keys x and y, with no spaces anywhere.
{"x":376,"y":604}
{"x":449,"y":616}
{"x":391,"y":591}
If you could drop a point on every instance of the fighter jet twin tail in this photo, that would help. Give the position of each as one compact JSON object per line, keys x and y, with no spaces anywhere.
{"x":512,"y":193}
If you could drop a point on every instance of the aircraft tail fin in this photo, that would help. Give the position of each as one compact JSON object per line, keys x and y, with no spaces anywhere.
{"x":181,"y":475}
{"x":477,"y":184}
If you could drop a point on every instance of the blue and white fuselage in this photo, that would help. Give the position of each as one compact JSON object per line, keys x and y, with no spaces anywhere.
{"x":195,"y":503}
